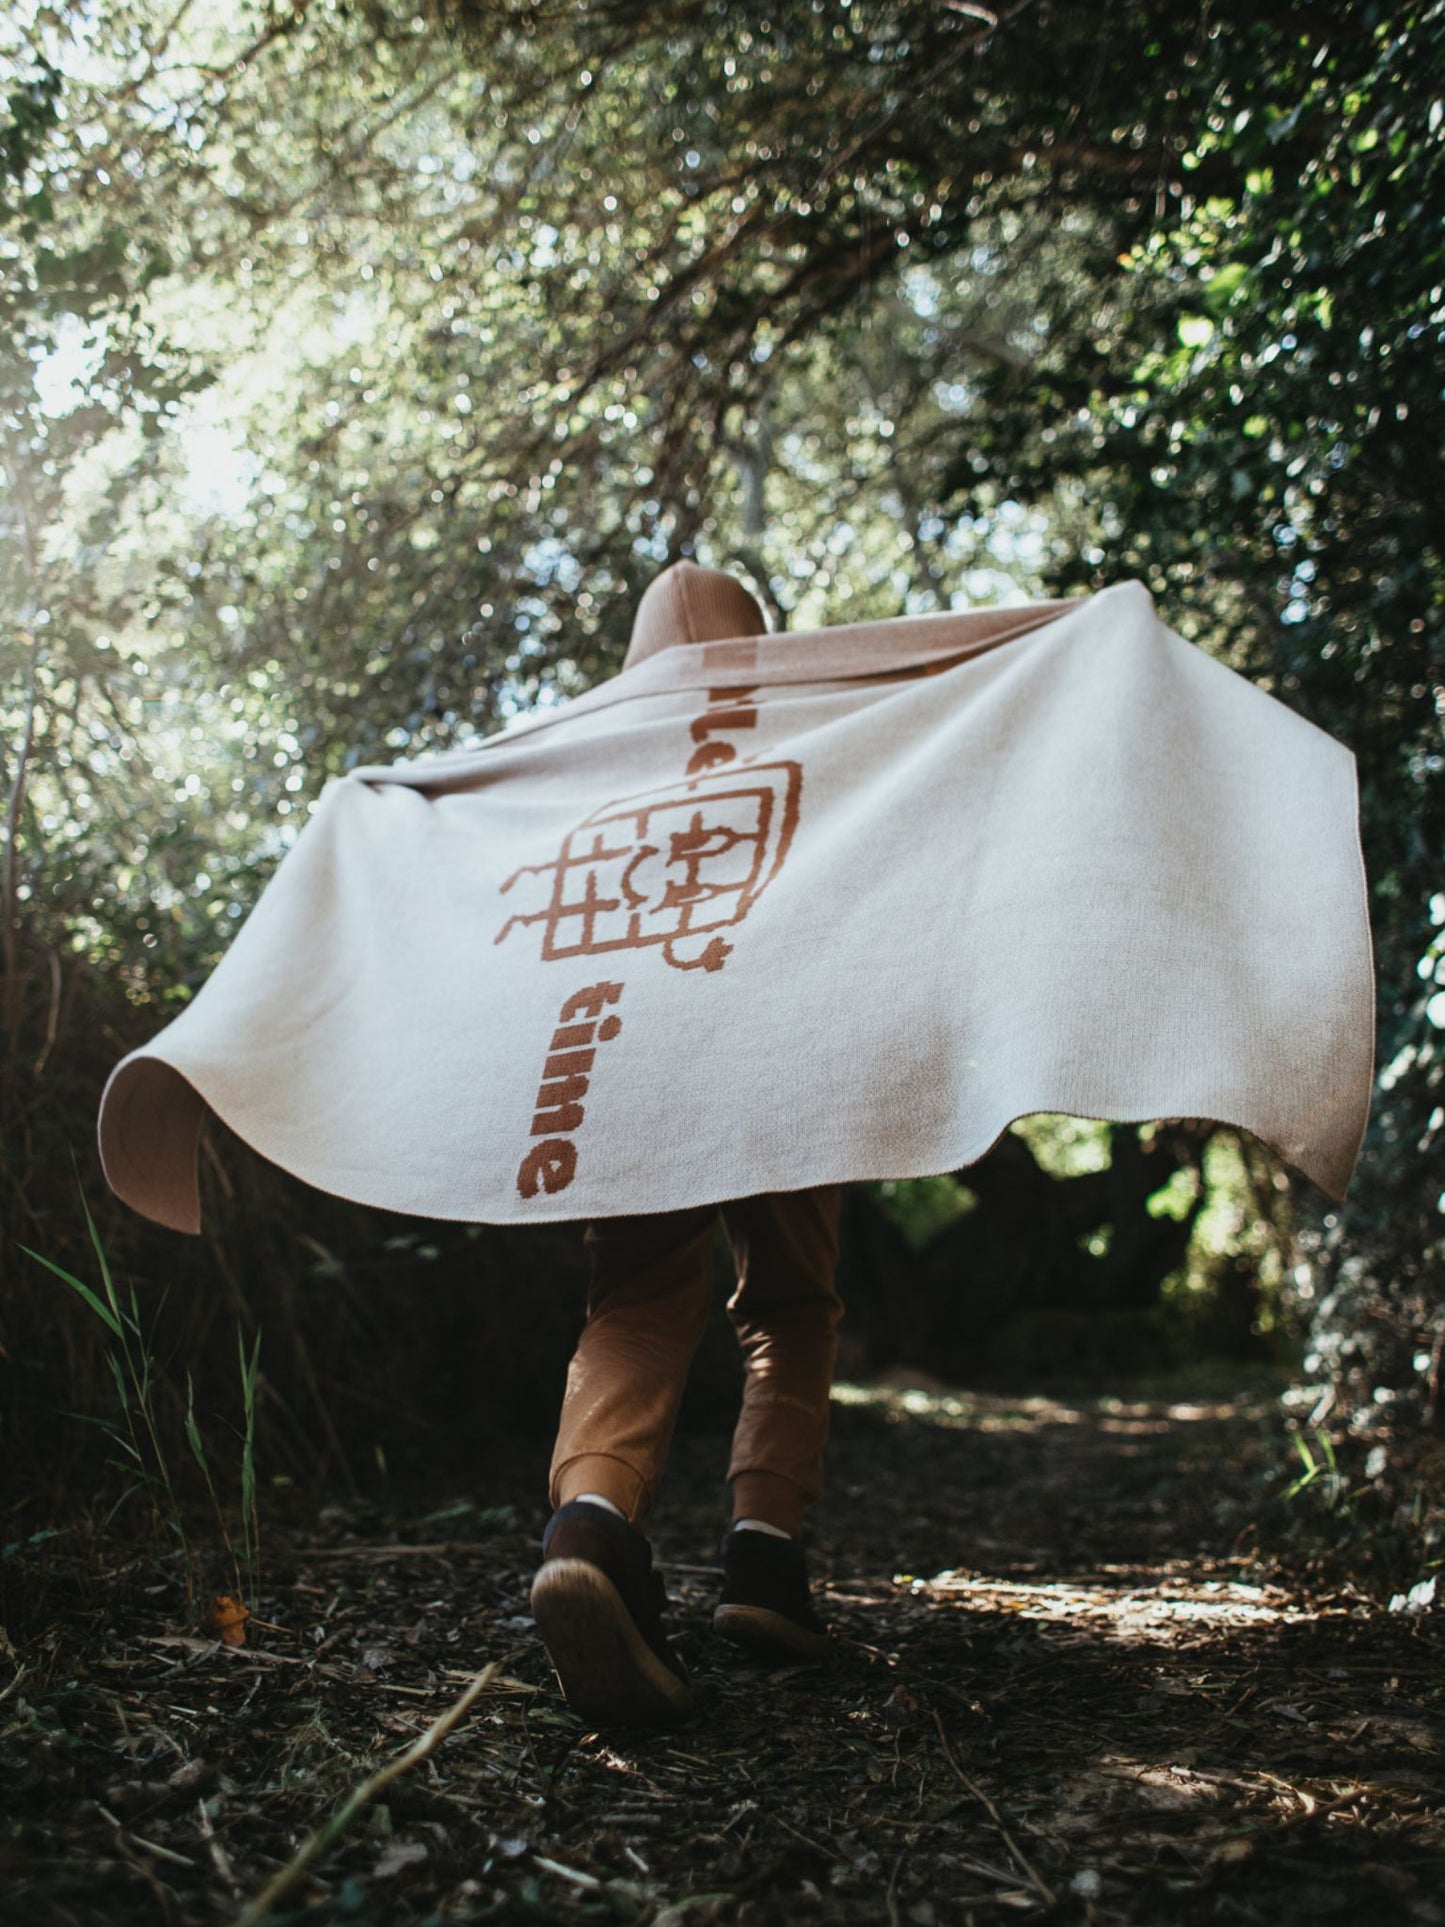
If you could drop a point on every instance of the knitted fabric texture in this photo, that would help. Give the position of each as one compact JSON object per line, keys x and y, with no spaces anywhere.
{"x":691,"y":604}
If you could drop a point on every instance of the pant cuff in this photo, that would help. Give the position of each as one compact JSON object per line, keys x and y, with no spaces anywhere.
{"x":770,"y":1497}
{"x":611,"y":1478}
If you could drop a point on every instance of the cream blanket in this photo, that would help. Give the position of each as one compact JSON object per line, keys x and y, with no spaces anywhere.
{"x":773,"y":912}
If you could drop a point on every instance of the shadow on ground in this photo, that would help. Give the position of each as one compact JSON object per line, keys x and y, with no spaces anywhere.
{"x":1060,"y":1690}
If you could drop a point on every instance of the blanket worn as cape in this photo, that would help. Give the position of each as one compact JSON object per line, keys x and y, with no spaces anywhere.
{"x":765,"y":912}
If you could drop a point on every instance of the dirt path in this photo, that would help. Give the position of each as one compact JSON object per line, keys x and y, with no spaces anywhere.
{"x":1058,"y":1692}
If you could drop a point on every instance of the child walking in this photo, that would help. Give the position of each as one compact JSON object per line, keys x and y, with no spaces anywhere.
{"x":597,"y":1599}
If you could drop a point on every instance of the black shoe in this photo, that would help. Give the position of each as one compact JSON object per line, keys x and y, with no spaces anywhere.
{"x":765,"y":1603}
{"x":598,"y":1605}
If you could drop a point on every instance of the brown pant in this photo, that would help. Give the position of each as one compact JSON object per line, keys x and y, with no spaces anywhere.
{"x":647,"y":1307}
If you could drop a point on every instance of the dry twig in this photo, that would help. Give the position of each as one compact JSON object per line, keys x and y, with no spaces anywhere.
{"x":326,"y":1836}
{"x":1035,"y":1879}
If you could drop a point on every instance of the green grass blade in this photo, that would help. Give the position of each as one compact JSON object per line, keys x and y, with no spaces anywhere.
{"x":249,"y":1515}
{"x":129,"y":1493}
{"x":105,"y":1275}
{"x":102,"y":1311}
{"x":193,"y":1431}
{"x":122,"y":1390}
{"x":89,"y":1418}
{"x":249,"y":1373}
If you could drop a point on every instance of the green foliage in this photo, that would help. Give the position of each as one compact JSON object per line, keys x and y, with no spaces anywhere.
{"x":1317,"y":1458}
{"x":922,"y":1206}
{"x":1265,"y":474}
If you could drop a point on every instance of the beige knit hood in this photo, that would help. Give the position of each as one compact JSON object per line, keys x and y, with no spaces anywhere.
{"x":688,"y":603}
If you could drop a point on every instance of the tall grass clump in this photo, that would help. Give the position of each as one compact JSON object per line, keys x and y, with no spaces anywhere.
{"x":135,"y":1431}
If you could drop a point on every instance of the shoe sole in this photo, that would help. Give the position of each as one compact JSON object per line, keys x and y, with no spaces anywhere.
{"x":606,"y":1669}
{"x":772,"y":1634}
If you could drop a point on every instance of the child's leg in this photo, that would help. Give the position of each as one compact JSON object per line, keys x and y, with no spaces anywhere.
{"x":647,"y":1307}
{"x":785,"y":1312}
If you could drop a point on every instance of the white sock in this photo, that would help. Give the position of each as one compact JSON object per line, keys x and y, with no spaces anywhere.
{"x":596,"y":1498}
{"x":760,"y":1525}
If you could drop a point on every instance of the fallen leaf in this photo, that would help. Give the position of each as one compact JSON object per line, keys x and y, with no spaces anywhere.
{"x":227,"y":1619}
{"x":398,"y":1856}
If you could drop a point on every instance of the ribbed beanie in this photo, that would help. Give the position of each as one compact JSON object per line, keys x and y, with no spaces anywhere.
{"x":688,"y":603}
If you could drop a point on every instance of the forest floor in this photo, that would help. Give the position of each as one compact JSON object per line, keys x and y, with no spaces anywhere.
{"x":1066,"y":1686}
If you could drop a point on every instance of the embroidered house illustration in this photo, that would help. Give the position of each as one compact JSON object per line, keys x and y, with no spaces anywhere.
{"x":675,"y":866}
